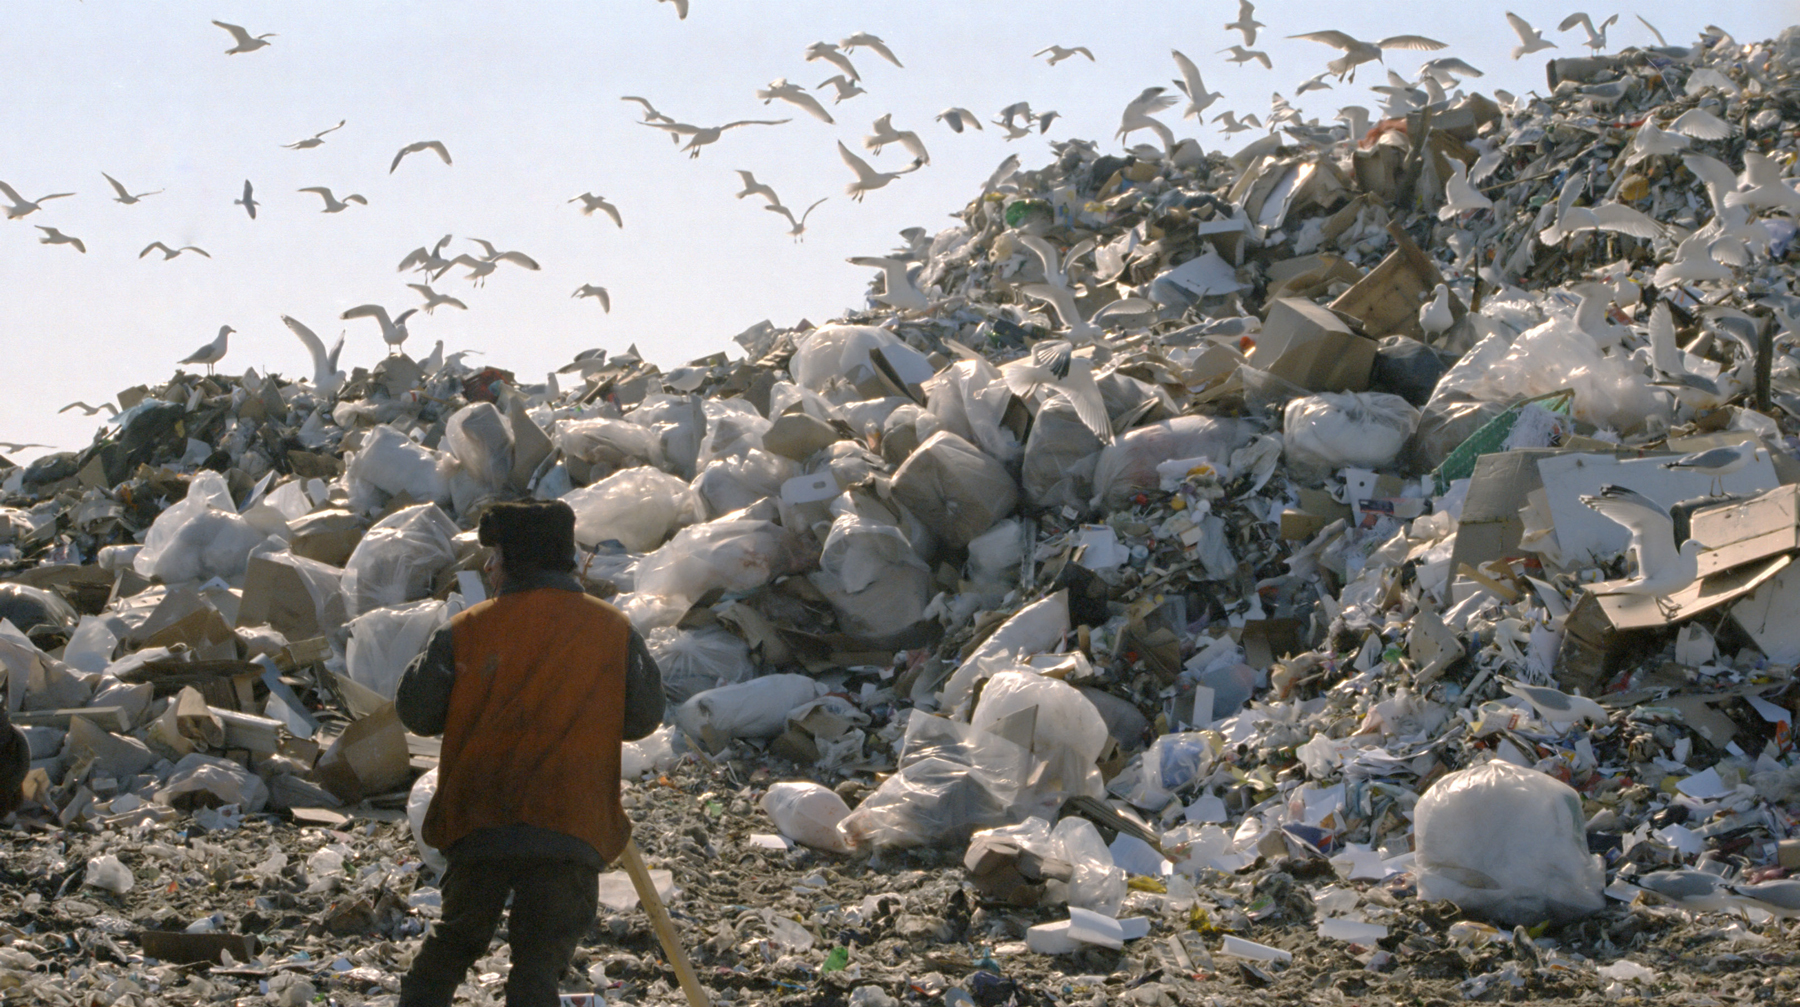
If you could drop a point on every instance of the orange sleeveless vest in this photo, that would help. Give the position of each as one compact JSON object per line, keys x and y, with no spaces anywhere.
{"x":537,"y":714}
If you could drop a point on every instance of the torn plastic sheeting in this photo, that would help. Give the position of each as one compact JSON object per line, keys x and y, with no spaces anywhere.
{"x":202,"y":536}
{"x":638,"y":507}
{"x":1127,"y":467}
{"x":1035,"y":629}
{"x":955,"y":489}
{"x":398,"y":558}
{"x":733,"y":427}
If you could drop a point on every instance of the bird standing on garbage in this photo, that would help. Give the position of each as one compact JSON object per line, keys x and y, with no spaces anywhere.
{"x":1662,"y":568}
{"x":327,"y":379}
{"x":1780,"y":899}
{"x":212,"y":352}
{"x":534,"y":691}
{"x":393,"y":330}
{"x":1556,"y":706}
{"x":1715,"y":462}
{"x":1694,"y":891}
{"x":1435,"y":316}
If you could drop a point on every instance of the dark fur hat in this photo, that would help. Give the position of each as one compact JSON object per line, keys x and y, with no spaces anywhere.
{"x":534,"y":534}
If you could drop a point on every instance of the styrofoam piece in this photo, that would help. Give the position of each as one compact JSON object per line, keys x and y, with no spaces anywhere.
{"x":1343,"y":928}
{"x":1051,"y":939}
{"x":1238,"y":947}
{"x":1090,"y":927}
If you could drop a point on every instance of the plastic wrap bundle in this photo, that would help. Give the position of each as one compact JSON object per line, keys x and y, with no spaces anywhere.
{"x":969,"y":398}
{"x":1127,"y":466}
{"x":398,"y":558}
{"x":202,"y":536}
{"x":1067,"y":732}
{"x":955,"y":489}
{"x":872,"y":577}
{"x":1060,"y":455}
{"x":207,"y":781}
{"x":418,"y":801}
{"x":733,"y":427}
{"x":1508,"y":844}
{"x":733,"y":553}
{"x":754,"y":709}
{"x":638,"y":507}
{"x":695,"y":660}
{"x":391,"y":462}
{"x":1610,"y":390}
{"x":741,"y":480}
{"x":842,"y":352}
{"x":480,"y":440}
{"x":952,"y":780}
{"x":1331,"y":430}
{"x":678,"y":422}
{"x":607,"y":445}
{"x":383,"y":641}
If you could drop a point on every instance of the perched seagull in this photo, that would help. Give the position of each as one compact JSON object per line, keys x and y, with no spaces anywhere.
{"x":123,"y":196}
{"x":1054,"y":368}
{"x":1051,"y":260}
{"x":248,"y":202}
{"x":1199,"y":98}
{"x":867,"y":178}
{"x":1555,"y":706}
{"x":433,"y":299}
{"x":1447,"y":70}
{"x":1607,"y":216}
{"x":1694,"y":891}
{"x":846,"y":88}
{"x":245,"y":43}
{"x":1058,"y":53}
{"x":431,"y":261}
{"x":393,"y":330}
{"x":87,"y":410}
{"x":597,"y":293}
{"x":681,"y":8}
{"x":899,"y":290}
{"x":1356,"y":121}
{"x":885,"y":133}
{"x":1649,"y":141}
{"x":957,"y":118}
{"x":1459,"y":196}
{"x":1239,"y":54}
{"x":212,"y":352}
{"x":830,"y":54}
{"x":797,"y":227}
{"x":1693,"y":263}
{"x":1596,"y":38}
{"x":794,"y":94}
{"x":1137,"y":115}
{"x":52,"y":236}
{"x":327,"y":379}
{"x":1762,"y":187}
{"x":1716,"y":463}
{"x":312,"y":141}
{"x":650,"y":112}
{"x":1246,"y":22}
{"x":1435,"y":316}
{"x":1235,"y":125}
{"x":700,"y":136}
{"x":863,"y":38}
{"x":332,"y":203}
{"x":436,"y":146}
{"x":1662,"y":569}
{"x":1357,"y":52}
{"x":754,"y":188}
{"x":1702,"y":125}
{"x":24,"y":207}
{"x":1780,"y":899}
{"x":170,"y":253}
{"x":590,"y":202}
{"x":1530,"y":39}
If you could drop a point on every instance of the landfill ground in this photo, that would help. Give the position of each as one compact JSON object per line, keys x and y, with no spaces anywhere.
{"x":1292,"y":577}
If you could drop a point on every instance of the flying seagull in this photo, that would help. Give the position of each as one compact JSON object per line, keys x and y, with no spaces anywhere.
{"x":212,"y":352}
{"x":700,"y":136}
{"x":1239,"y":54}
{"x":1053,"y":367}
{"x":248,"y":202}
{"x":590,"y":202}
{"x":124,"y":196}
{"x":313,"y":140}
{"x":23,"y":207}
{"x":957,"y":118}
{"x":1138,"y":114}
{"x":170,"y":253}
{"x":899,"y":290}
{"x":798,"y":227}
{"x":1246,"y":22}
{"x":1199,"y":98}
{"x":393,"y":330}
{"x":430,"y":261}
{"x":754,"y":188}
{"x":433,"y":299}
{"x":1059,"y":53}
{"x":597,"y":293}
{"x":846,"y":88}
{"x":332,"y":204}
{"x":245,"y":43}
{"x":681,"y":8}
{"x":863,"y":38}
{"x":830,"y":54}
{"x":1357,"y":52}
{"x":650,"y":112}
{"x":87,"y":410}
{"x":52,"y":236}
{"x":327,"y":379}
{"x":1596,"y":37}
{"x":1530,"y":39}
{"x":793,"y":94}
{"x":413,"y":148}
{"x":885,"y":133}
{"x":867,"y":178}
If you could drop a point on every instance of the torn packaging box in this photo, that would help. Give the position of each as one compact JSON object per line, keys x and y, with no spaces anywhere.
{"x":1313,"y":348}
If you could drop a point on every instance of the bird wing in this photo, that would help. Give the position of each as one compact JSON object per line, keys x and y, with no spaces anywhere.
{"x":11,"y":193}
{"x":1719,"y":179}
{"x":439,"y":148}
{"x":613,"y":212}
{"x":314,"y":345}
{"x":784,"y":211}
{"x":1623,"y":219}
{"x":1659,"y":35}
{"x":1665,"y":355}
{"x":374,"y":311}
{"x":1574,"y":19}
{"x":809,"y":210}
{"x":1082,"y":49}
{"x":1046,"y":256}
{"x":1084,"y":395}
{"x":1410,"y":42}
{"x":517,"y":258}
{"x":864,"y":173}
{"x":323,"y":192}
{"x":153,"y":244}
{"x":756,"y":122}
{"x":487,"y":246}
{"x":1701,"y":125}
{"x":409,"y":148}
{"x":416,"y":257}
{"x":1522,"y":28}
{"x":1637,"y":512}
{"x":322,"y":132}
{"x":242,"y":36}
{"x":1335,"y":39}
{"x":1040,"y":52}
{"x":116,"y":186}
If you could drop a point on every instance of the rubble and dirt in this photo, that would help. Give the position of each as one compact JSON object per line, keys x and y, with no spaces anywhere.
{"x":1129,"y":595}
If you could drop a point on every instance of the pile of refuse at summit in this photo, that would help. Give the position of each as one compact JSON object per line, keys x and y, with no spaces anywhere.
{"x":1360,"y":565}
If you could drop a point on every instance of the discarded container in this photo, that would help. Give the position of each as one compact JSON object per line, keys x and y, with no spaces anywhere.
{"x":808,"y":814}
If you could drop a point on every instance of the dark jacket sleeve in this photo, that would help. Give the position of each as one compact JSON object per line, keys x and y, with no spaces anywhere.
{"x":643,"y":691}
{"x":423,"y":699}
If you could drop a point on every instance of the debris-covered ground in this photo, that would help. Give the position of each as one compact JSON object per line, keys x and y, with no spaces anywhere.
{"x":1192,"y":581}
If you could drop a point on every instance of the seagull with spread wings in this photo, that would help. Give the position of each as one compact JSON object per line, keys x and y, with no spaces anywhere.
{"x":433,"y":299}
{"x":1199,"y":98}
{"x":1358,"y":52}
{"x":312,"y":141}
{"x":590,"y":202}
{"x":868,"y":178}
{"x":52,"y":236}
{"x":124,"y":195}
{"x":1059,"y":53}
{"x":863,"y":38}
{"x":393,"y":330}
{"x":245,"y":42}
{"x":169,"y":253}
{"x":21,"y":206}
{"x":327,"y":379}
{"x":798,"y":227}
{"x":436,"y":146}
{"x":332,"y":203}
{"x":597,"y":293}
{"x":700,"y":136}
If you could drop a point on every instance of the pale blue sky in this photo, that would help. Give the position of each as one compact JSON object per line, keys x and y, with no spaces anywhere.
{"x":526,"y":97}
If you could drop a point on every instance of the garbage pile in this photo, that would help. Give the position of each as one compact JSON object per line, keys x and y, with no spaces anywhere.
{"x":1199,"y":570}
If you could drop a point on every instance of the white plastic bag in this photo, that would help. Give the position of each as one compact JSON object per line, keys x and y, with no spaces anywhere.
{"x":417,"y":802}
{"x":733,"y":427}
{"x":398,"y":558}
{"x":1059,"y":460}
{"x":678,"y":422}
{"x":654,"y":754}
{"x":608,"y":445}
{"x":639,"y":507}
{"x":478,"y":437}
{"x":208,"y":781}
{"x":955,"y":489}
{"x":754,"y":709}
{"x":695,"y":660}
{"x":107,"y":873}
{"x":383,"y":642}
{"x":1068,"y":734}
{"x":199,"y":537}
{"x":1333,"y":429}
{"x":1035,"y":629}
{"x":1127,"y":466}
{"x":392,"y":463}
{"x":1506,"y":843}
{"x":1097,"y":884}
{"x":734,"y":553}
{"x":736,"y":482}
{"x":841,"y":353}
{"x":952,"y":780}
{"x":808,"y":814}
{"x":970,"y":398}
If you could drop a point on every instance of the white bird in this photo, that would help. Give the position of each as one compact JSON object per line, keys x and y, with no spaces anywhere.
{"x":1137,"y":115}
{"x":898,"y":290}
{"x":590,"y":202}
{"x":170,"y":253}
{"x":1530,"y":39}
{"x":10,"y":446}
{"x":393,"y":330}
{"x":1690,"y":890}
{"x":1014,"y":131}
{"x":87,"y":410}
{"x":1555,"y":706}
{"x":1595,"y":300}
{"x":1239,"y":54}
{"x":1059,"y":53}
{"x":1459,"y":196}
{"x":1716,"y":463}
{"x":830,"y":54}
{"x":1053,"y":367}
{"x":435,"y":146}
{"x":1235,"y":125}
{"x":333,"y":204}
{"x":1246,"y":22}
{"x":846,"y":88}
{"x":1662,"y":568}
{"x":314,"y":140}
{"x":1607,"y":216}
{"x":1706,"y":77}
{"x":1659,"y":35}
{"x":23,"y":207}
{"x":124,"y":196}
{"x":650,"y":112}
{"x":52,"y":236}
{"x":1596,"y":37}
{"x":597,"y":293}
{"x":1702,"y":125}
{"x":1008,"y":167}
{"x":681,"y":8}
{"x":1693,"y":263}
{"x":885,"y":133}
{"x":433,"y":299}
{"x":427,"y":261}
{"x":797,"y":227}
{"x":957,"y":118}
{"x":1314,"y":83}
{"x":1435,"y":316}
{"x":1199,"y":98}
{"x":867,"y":178}
{"x":1358,"y":52}
{"x":754,"y":188}
{"x":327,"y":379}
{"x":1356,"y":121}
{"x":1665,"y":353}
{"x":1780,"y":899}
{"x":212,"y":352}
{"x":248,"y":202}
{"x":863,"y":38}
{"x":1762,"y":187}
{"x":1061,"y":299}
{"x":700,"y":136}
{"x":794,"y":94}
{"x":1649,"y":141}
{"x":1447,"y":70}
{"x":245,"y":43}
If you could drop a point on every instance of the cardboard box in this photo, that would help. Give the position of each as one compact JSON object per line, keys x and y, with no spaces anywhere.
{"x":1491,"y":525}
{"x":1387,"y":300}
{"x":277,"y":594}
{"x":1306,"y":344}
{"x":327,"y":536}
{"x":176,"y":947}
{"x":369,"y":758}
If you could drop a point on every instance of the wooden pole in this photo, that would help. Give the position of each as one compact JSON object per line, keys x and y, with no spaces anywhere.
{"x":663,"y":925}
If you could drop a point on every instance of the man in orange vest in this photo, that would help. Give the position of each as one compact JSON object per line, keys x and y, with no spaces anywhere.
{"x":533,"y":691}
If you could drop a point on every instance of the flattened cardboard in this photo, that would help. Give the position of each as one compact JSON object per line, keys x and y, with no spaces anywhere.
{"x":369,"y":758}
{"x":1310,"y":347}
{"x":275,"y":595}
{"x":1745,"y":530}
{"x":1636,"y":611}
{"x":1771,"y":615}
{"x":176,"y":947}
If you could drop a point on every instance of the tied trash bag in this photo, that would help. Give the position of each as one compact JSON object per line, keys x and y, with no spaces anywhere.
{"x":869,"y":572}
{"x":479,"y":438}
{"x":398,"y":558}
{"x":383,"y":642}
{"x":733,"y":427}
{"x":695,"y":660}
{"x":1067,"y":731}
{"x":1127,"y":467}
{"x":607,"y":445}
{"x":678,"y":422}
{"x":1506,"y":843}
{"x":952,"y":780}
{"x":741,"y":480}
{"x":207,"y":781}
{"x":639,"y":507}
{"x":808,"y":814}
{"x":202,"y":536}
{"x":1335,"y":429}
{"x":969,"y":398}
{"x":955,"y":489}
{"x":391,"y":462}
{"x":754,"y":709}
{"x":417,"y":802}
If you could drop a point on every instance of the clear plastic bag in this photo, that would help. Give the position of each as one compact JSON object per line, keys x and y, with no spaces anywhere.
{"x":841,"y":353}
{"x":200,"y":536}
{"x":1127,"y":466}
{"x":479,"y":438}
{"x":733,"y":553}
{"x":808,"y":814}
{"x":736,"y":482}
{"x":1060,"y":455}
{"x":678,"y":422}
{"x":638,"y":507}
{"x":206,"y":781}
{"x":383,"y":642}
{"x":607,"y":445}
{"x":1506,"y":843}
{"x":1331,"y":430}
{"x":952,"y":780}
{"x":1068,"y":733}
{"x":391,"y":462}
{"x":1098,"y":884}
{"x":969,"y":398}
{"x":870,"y":574}
{"x":754,"y":709}
{"x":654,"y":754}
{"x":398,"y":558}
{"x":695,"y":660}
{"x":733,"y":427}
{"x":418,"y":801}
{"x":955,"y":489}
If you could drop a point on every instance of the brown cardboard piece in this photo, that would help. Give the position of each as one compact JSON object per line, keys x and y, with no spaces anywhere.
{"x":1386,"y":301}
{"x":369,"y":758}
{"x":1746,"y":530}
{"x":1490,"y":525}
{"x":176,"y":947}
{"x":1309,"y":346}
{"x":328,"y":536}
{"x":799,"y":436}
{"x":275,"y":595}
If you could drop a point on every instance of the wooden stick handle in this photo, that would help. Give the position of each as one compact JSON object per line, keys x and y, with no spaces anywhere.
{"x":663,"y":925}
